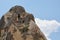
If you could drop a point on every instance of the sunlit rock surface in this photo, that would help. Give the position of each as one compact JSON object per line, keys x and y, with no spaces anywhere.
{"x":17,"y":24}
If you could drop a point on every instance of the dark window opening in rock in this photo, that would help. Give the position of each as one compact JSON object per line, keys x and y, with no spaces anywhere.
{"x":18,"y":16}
{"x":23,"y":21}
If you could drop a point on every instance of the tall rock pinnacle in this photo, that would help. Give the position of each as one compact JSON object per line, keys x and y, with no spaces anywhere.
{"x":17,"y":24}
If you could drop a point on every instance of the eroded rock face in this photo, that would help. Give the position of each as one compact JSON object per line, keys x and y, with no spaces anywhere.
{"x":17,"y":24}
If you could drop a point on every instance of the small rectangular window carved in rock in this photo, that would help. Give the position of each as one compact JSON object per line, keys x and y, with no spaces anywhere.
{"x":18,"y":16}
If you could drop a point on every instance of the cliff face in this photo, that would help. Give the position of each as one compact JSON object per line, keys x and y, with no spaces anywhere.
{"x":17,"y":24}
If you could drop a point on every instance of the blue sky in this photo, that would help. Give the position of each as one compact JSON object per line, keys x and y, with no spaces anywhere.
{"x":42,"y":9}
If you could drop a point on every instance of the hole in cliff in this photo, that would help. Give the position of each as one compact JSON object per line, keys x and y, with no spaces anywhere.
{"x":18,"y":16}
{"x":23,"y":21}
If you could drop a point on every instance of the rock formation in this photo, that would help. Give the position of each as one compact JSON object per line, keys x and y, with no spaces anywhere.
{"x":17,"y":24}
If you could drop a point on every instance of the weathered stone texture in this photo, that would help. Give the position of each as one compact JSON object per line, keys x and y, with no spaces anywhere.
{"x":17,"y":24}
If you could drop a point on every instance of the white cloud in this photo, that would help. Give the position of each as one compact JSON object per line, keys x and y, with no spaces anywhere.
{"x":47,"y":26}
